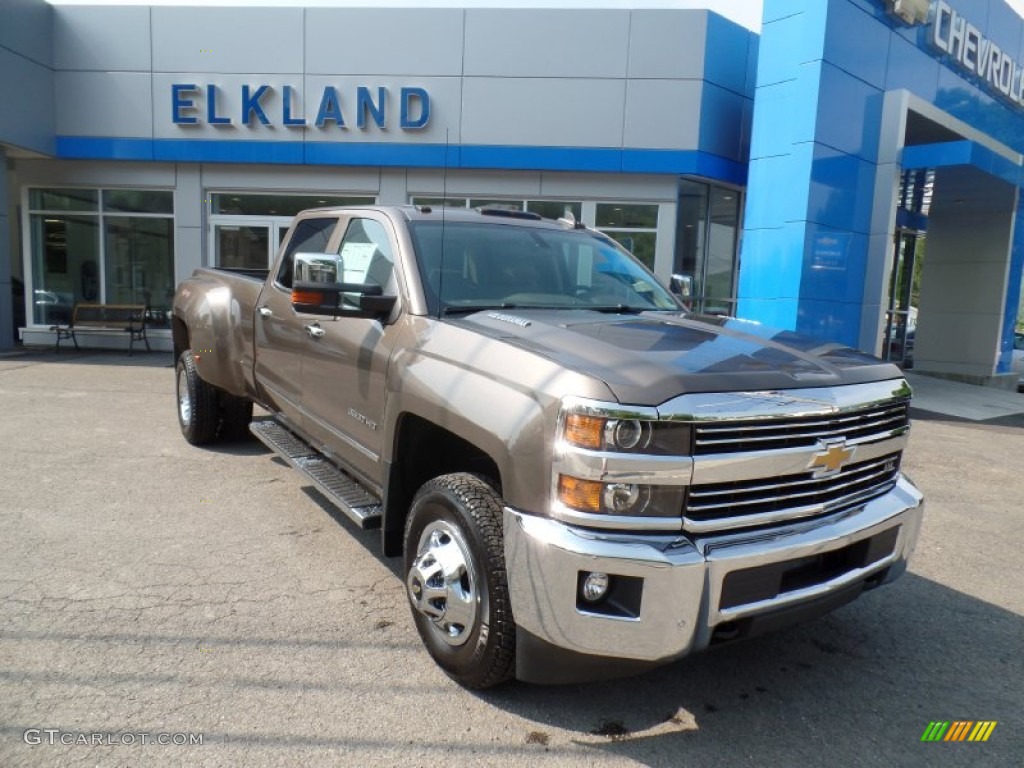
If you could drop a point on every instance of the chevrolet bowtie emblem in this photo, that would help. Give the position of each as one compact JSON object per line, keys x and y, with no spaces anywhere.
{"x":831,"y":459}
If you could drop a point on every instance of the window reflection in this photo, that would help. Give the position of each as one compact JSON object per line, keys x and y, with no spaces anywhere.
{"x":80,"y":254}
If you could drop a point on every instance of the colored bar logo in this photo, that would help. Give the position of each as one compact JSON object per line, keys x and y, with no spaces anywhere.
{"x":958,"y":730}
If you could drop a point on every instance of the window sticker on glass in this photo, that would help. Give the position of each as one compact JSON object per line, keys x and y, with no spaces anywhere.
{"x":355,"y":261}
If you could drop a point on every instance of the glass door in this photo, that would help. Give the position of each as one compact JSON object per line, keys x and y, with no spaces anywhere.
{"x":900,"y":317}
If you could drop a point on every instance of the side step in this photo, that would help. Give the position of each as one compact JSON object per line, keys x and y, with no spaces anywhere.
{"x":361,"y":506}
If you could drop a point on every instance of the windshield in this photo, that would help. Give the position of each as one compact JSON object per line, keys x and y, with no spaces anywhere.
{"x":469,"y":266}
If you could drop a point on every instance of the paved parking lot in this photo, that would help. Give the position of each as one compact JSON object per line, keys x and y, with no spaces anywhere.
{"x":149,"y":587}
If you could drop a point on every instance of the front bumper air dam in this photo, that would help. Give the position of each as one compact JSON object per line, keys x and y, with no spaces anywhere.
{"x":683,"y":579}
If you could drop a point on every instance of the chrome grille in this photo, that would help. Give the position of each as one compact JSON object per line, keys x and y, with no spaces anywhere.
{"x":744,"y":503}
{"x":879,"y":421}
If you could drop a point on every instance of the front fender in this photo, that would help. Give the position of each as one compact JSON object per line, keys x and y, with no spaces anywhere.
{"x":500,"y":398}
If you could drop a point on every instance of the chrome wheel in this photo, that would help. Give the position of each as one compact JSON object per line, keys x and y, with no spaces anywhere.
{"x":442,"y":582}
{"x":184,"y":398}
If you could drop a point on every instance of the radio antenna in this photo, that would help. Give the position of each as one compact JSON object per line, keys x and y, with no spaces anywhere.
{"x":444,"y":217}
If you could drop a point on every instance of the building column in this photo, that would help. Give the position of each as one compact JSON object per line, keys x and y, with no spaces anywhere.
{"x":6,"y":302}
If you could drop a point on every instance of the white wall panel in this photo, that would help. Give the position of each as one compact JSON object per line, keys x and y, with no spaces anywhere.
{"x":542,"y":112}
{"x":235,"y":39}
{"x":299,"y":179}
{"x":667,"y":44}
{"x":97,"y":173}
{"x":460,"y":183}
{"x":26,"y":28}
{"x":546,"y":43}
{"x":384,"y":41}
{"x":663,"y":114}
{"x":104,"y":38}
{"x":26,"y":117}
{"x":92,"y":103}
{"x":598,"y":186}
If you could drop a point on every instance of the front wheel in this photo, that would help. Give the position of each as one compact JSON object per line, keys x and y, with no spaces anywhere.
{"x":456,"y":582}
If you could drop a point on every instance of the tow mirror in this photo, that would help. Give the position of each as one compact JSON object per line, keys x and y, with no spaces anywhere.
{"x":316,"y":290}
{"x":682,"y":287}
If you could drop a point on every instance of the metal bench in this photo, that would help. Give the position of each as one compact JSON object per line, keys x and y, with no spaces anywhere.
{"x":104,"y":318}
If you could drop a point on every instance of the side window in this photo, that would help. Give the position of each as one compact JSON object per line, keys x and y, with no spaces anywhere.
{"x":310,"y":236}
{"x":366,"y":255}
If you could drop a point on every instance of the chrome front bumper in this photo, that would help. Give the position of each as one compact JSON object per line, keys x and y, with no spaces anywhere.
{"x":684,"y":578}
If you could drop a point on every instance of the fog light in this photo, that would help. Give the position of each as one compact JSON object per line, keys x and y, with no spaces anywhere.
{"x":621,"y":497}
{"x":595,"y":586}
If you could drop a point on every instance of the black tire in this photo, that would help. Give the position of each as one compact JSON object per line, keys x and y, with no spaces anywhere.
{"x":236,"y":413}
{"x":470,"y":507}
{"x":200,"y":419}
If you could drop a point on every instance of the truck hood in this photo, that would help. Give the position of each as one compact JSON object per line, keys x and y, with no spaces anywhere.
{"x":649,"y":358}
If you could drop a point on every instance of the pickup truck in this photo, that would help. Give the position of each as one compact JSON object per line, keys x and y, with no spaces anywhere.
{"x":583,"y":479}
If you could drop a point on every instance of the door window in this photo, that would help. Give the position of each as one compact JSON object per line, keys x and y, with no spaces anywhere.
{"x":366,"y":255}
{"x":309,"y":236}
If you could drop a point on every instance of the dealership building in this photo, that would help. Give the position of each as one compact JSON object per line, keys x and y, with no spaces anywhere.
{"x":852,"y":172}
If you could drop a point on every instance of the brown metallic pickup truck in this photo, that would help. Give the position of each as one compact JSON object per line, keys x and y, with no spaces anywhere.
{"x":583,"y":479}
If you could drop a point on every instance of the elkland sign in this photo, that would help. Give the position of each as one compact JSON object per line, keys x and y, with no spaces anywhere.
{"x":263,"y":104}
{"x":966,"y":47}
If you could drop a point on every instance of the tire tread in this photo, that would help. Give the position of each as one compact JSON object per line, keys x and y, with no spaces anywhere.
{"x":205,"y":407}
{"x":485,"y":507}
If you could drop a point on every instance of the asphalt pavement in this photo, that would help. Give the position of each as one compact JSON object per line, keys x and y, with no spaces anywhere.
{"x":152,"y":591}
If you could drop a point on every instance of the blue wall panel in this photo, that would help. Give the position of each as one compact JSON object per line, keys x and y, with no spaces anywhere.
{"x":849,"y":113}
{"x":1004,"y":27}
{"x":856,"y":43}
{"x":912,"y":69}
{"x":833,"y":265}
{"x":721,"y":121}
{"x":791,"y":41}
{"x":789,"y":203}
{"x":841,"y":190}
{"x":773,"y":100}
{"x":830,"y":320}
{"x":726,"y":71}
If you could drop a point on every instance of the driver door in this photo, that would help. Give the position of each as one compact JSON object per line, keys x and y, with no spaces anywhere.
{"x":346,"y":359}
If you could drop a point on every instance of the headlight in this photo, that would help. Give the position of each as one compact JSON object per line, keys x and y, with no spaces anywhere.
{"x":602,"y":433}
{"x":626,"y":434}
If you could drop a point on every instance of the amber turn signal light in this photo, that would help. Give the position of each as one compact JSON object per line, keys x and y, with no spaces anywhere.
{"x":584,"y":431}
{"x":584,"y":495}
{"x":307,"y":297}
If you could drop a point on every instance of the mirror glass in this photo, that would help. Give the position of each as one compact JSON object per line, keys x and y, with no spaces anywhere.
{"x":317,"y":268}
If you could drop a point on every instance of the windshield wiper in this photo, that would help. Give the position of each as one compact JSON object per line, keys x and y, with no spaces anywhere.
{"x":618,"y":309}
{"x":469,"y":309}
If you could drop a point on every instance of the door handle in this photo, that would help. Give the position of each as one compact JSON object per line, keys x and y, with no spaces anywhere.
{"x":315,"y":331}
{"x":265,"y":311}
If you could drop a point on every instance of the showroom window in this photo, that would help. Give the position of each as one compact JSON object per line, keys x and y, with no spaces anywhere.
{"x":707,"y":239}
{"x":111,"y":246}
{"x":246,"y":229}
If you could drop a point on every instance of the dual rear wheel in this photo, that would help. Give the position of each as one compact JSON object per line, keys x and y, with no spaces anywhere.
{"x":206,"y":413}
